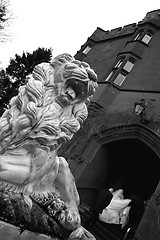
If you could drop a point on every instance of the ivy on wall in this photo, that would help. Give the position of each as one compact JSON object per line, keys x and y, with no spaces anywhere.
{"x":99,"y":119}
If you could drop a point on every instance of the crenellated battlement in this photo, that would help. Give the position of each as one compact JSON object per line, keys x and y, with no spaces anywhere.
{"x":152,"y":17}
{"x":101,"y":35}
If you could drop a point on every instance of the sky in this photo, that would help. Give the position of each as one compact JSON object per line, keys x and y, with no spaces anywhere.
{"x":65,"y":25}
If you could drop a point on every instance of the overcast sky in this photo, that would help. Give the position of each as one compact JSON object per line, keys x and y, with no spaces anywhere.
{"x":65,"y":25}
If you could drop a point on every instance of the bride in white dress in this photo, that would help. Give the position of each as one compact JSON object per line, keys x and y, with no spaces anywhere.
{"x":117,"y":211}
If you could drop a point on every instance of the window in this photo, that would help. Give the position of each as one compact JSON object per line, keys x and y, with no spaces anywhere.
{"x":147,"y":37}
{"x":128,"y":65}
{"x":87,"y":50}
{"x":109,"y":76}
{"x":120,"y":79}
{"x":117,"y":65}
{"x":138,"y":36}
{"x":144,"y":36}
{"x":126,"y":68}
{"x":121,"y":70}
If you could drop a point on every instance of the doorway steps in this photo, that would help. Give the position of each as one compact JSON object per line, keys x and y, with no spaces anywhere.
{"x":101,"y":231}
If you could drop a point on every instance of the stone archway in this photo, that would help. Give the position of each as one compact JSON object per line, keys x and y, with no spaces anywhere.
{"x":134,"y":151}
{"x":112,"y":144}
{"x":133,"y":166}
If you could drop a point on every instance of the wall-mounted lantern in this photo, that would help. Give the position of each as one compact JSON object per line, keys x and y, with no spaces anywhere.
{"x":140,"y":106}
{"x":139,"y":110}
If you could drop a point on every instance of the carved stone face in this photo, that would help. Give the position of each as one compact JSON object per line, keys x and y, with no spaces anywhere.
{"x":38,"y":118}
{"x":74,"y":84}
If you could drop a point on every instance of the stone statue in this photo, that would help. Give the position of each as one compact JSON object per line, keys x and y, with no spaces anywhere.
{"x":47,"y":111}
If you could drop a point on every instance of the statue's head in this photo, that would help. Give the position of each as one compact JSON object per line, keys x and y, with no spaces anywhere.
{"x":75,"y":80}
{"x":51,"y":106}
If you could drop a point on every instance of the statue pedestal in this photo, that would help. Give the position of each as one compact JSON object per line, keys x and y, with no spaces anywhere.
{"x":10,"y":232}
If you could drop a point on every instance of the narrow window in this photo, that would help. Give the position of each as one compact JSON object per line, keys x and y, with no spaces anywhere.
{"x":118,"y":64}
{"x":111,"y":73}
{"x":87,"y":50}
{"x":125,"y":70}
{"x":115,"y":68}
{"x":120,"y":79}
{"x":121,"y":70}
{"x":138,"y":36}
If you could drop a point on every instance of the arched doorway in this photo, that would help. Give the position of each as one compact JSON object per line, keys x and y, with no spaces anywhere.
{"x":124,"y":161}
{"x":133,"y":166}
{"x":128,"y":164}
{"x":126,"y":157}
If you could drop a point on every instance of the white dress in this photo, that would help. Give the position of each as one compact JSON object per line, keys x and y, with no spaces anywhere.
{"x":113,"y":212}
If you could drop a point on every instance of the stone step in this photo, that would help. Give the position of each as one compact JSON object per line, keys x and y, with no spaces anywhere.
{"x":110,"y":229}
{"x":10,"y":232}
{"x":101,"y":231}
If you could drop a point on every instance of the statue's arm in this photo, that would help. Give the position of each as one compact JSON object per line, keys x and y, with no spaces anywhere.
{"x":65,"y":185}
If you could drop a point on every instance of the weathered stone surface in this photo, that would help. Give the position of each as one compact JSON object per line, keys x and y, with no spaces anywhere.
{"x":10,"y":232}
{"x":37,"y":188}
{"x":149,"y":227}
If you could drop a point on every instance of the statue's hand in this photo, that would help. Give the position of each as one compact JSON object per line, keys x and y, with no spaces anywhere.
{"x":81,"y":234}
{"x":76,"y":234}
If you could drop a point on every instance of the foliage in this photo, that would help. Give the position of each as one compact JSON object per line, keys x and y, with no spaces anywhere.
{"x":15,"y":74}
{"x":5,"y":89}
{"x":21,"y":66}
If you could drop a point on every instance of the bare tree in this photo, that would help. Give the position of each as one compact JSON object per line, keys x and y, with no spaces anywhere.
{"x":6,"y":18}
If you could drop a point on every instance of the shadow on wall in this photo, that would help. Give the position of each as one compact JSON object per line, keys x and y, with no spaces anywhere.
{"x":87,"y":195}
